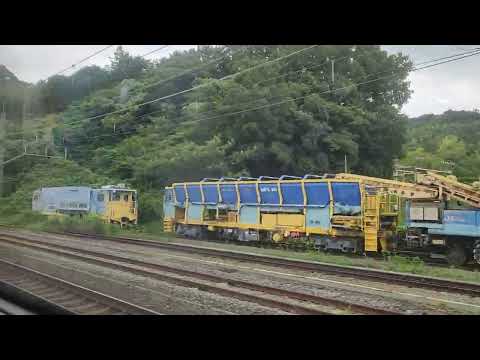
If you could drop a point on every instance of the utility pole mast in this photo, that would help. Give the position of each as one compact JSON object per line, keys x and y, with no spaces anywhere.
{"x":333,"y":72}
{"x":3,"y":129}
{"x":346,"y":167}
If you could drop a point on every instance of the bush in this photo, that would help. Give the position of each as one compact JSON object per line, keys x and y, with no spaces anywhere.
{"x":90,"y":224}
{"x":150,"y":206}
{"x":405,"y":264}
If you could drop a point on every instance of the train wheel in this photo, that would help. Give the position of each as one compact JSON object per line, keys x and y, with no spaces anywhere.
{"x":476,"y":252}
{"x":457,"y":255}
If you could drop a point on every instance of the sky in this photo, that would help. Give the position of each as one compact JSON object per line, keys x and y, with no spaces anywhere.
{"x":448,"y":86}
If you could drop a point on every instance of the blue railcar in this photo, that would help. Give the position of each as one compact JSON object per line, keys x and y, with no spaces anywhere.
{"x":324,"y":210}
{"x":114,"y":204}
{"x":436,"y":225}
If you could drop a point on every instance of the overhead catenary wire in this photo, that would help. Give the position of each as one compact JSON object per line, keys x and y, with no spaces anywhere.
{"x":148,"y":86}
{"x":191,"y":89}
{"x":154,"y":51}
{"x":85,"y":59}
{"x":205,"y":84}
{"x":167,"y":96}
{"x":233,"y":75}
{"x":417,"y":68}
{"x":332,"y":90}
{"x":437,"y":62}
{"x":81,"y":61}
{"x":163,"y":81}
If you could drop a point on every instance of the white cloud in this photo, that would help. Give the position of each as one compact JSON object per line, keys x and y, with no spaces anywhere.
{"x":32,"y":63}
{"x":448,"y":86}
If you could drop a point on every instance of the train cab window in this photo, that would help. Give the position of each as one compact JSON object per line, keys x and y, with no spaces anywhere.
{"x":125,"y":198}
{"x":35,"y":197}
{"x":100,"y":197}
{"x":133,"y":197}
{"x":115,"y":197}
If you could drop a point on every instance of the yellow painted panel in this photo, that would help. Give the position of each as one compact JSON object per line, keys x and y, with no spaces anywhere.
{"x":232,"y":216}
{"x":290,"y":219}
{"x":269,"y":220}
{"x":317,"y":230}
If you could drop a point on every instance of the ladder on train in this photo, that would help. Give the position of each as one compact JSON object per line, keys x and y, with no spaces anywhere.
{"x":371,"y":221}
{"x":167,"y":225}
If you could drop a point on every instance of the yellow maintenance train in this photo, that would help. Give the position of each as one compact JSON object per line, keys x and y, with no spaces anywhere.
{"x":345,"y":212}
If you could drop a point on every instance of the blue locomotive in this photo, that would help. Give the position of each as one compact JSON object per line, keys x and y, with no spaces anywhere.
{"x":114,"y":204}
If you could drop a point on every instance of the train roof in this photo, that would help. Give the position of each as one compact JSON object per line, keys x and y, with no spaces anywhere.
{"x":66,"y":188}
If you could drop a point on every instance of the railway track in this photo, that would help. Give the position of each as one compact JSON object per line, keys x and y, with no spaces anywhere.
{"x":10,"y":308}
{"x":286,"y":300}
{"x":47,"y":294}
{"x":409,"y":280}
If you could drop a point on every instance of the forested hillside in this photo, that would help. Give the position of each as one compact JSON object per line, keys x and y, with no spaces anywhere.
{"x":248,"y":115}
{"x":446,"y":142}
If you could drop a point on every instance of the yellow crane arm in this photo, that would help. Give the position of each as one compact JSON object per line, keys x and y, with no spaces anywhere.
{"x":399,"y":188}
{"x":449,"y":188}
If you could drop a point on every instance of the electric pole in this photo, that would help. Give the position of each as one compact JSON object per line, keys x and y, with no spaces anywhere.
{"x":333,"y":72}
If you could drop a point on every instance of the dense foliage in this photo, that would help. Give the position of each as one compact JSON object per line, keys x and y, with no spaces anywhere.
{"x":284,"y":117}
{"x":207,"y":132}
{"x":446,"y":142}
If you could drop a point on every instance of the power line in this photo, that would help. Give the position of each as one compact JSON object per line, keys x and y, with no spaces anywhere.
{"x":191,"y":70}
{"x":193,"y":88}
{"x":456,"y":56}
{"x":417,"y":68}
{"x":224,"y":78}
{"x":89,"y":57}
{"x":329,"y":91}
{"x":437,"y":62}
{"x":268,"y":62}
{"x":154,"y":51}
{"x":208,"y":83}
{"x":155,"y":84}
{"x":81,"y":61}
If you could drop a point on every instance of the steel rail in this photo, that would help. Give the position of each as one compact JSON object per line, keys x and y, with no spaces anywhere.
{"x":149,"y":269}
{"x":410,"y":280}
{"x":51,"y":295}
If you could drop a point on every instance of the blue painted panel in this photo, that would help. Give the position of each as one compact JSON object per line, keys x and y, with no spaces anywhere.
{"x":168,"y":196}
{"x":317,"y":194}
{"x":454,"y":222}
{"x":346,"y":198}
{"x":249,"y":215}
{"x":194,"y":194}
{"x":346,"y":194}
{"x":180,"y":193}
{"x":229,"y":194}
{"x":455,"y":229}
{"x":211,"y":193}
{"x":98,"y":200}
{"x":169,"y":210}
{"x":292,"y":193}
{"x":194,"y":212}
{"x":70,"y":198}
{"x":460,"y":217}
{"x":269,"y":194}
{"x":318,"y":217}
{"x":248,"y":193}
